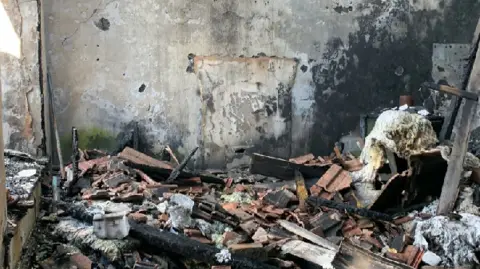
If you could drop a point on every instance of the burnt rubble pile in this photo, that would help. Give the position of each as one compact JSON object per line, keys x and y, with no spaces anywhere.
{"x":130,"y":210}
{"x":23,"y":174}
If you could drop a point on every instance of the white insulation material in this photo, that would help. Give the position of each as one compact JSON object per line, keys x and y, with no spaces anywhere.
{"x":400,"y":132}
{"x":455,"y":241}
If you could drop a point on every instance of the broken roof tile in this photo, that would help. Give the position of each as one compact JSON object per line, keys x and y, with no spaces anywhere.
{"x":334,"y":180}
{"x":302,"y":159}
{"x":140,"y":158}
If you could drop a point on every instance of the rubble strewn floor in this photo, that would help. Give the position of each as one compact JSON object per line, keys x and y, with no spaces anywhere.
{"x":129,"y":210}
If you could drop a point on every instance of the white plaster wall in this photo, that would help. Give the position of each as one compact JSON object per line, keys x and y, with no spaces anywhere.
{"x":97,"y":73}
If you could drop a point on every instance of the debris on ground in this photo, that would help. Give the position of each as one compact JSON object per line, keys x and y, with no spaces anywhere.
{"x":376,"y":209}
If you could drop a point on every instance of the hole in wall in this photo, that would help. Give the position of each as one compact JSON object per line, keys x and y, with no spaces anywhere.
{"x":240,"y":150}
{"x":103,"y":24}
{"x":142,"y":88}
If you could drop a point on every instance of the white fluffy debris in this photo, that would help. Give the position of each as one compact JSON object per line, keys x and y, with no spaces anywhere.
{"x":403,"y":108}
{"x":423,"y":112}
{"x":454,"y":241}
{"x":400,"y":132}
{"x":223,"y":256}
{"x":27,"y":173}
{"x":162,"y":207}
{"x":431,"y":258}
{"x":365,"y":193}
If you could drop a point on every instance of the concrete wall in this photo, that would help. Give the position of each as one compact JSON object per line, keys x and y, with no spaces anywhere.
{"x":117,"y":61}
{"x":20,"y":76}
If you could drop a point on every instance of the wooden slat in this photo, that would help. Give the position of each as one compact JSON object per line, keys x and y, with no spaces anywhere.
{"x":460,"y":144}
{"x":449,"y":120}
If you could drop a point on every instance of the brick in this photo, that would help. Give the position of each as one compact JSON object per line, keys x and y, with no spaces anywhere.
{"x":230,"y":238}
{"x":138,"y":217}
{"x":350,"y":229}
{"x":202,"y":239}
{"x":80,"y":261}
{"x":260,"y":236}
{"x":230,"y":206}
{"x":302,"y":159}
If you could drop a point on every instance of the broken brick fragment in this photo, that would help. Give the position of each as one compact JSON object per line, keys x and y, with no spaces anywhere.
{"x":202,"y":239}
{"x":230,"y":206}
{"x":230,"y":238}
{"x":302,"y":159}
{"x":138,"y":217}
{"x":260,"y":236}
{"x":163,"y":217}
{"x":350,"y":229}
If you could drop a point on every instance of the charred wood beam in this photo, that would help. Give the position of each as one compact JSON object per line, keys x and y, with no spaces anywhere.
{"x":160,"y":174}
{"x":157,"y":240}
{"x":282,"y":169}
{"x":319,"y":202}
{"x":75,"y":158}
{"x":176,"y":172}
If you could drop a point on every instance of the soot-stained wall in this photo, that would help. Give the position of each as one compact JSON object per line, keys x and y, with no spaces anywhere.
{"x":113,"y":62}
{"x":20,"y":71}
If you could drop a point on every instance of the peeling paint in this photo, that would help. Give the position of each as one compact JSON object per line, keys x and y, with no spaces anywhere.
{"x":253,"y":101}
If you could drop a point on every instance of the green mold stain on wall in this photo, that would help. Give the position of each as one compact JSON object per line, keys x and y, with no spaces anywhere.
{"x":90,"y":138}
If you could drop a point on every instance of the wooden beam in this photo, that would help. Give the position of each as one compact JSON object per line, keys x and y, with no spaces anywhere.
{"x":449,"y":120}
{"x":460,"y":144}
{"x":282,"y":169}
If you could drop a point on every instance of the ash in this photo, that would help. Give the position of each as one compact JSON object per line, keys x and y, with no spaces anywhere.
{"x":22,"y":173}
{"x":455,"y":241}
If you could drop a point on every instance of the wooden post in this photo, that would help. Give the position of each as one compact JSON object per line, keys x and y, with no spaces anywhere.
{"x":455,"y":165}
